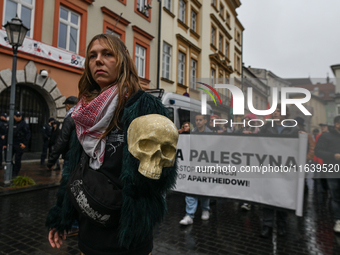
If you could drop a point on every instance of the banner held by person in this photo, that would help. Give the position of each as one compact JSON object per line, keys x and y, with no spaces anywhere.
{"x":267,"y":170}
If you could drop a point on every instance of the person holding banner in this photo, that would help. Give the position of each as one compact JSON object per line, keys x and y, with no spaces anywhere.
{"x":328,"y":149}
{"x":192,"y":202}
{"x":268,"y":213}
{"x":247,"y":130}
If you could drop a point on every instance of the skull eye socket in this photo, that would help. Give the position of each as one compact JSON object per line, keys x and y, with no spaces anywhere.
{"x":147,"y":145}
{"x":167,"y":150}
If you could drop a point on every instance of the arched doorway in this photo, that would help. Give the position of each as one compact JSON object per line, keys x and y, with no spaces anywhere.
{"x":34,"y":109}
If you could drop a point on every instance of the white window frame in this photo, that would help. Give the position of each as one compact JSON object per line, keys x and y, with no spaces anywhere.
{"x":181,"y":68}
{"x":166,"y":61}
{"x":193,"y":21}
{"x":181,"y":10}
{"x":140,"y":60}
{"x":168,"y":4}
{"x":141,"y":7}
{"x":21,"y":3}
{"x":69,"y":24}
{"x":193,"y":73}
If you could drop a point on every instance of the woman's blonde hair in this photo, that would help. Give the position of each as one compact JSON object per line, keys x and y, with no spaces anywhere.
{"x":127,"y":76}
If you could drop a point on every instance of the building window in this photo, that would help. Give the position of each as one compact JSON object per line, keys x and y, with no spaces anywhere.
{"x":181,"y":68}
{"x":140,"y":60}
{"x":25,"y":11}
{"x":238,"y":64}
{"x":227,"y":49}
{"x":214,"y":2}
{"x":212,"y":76}
{"x":142,"y":7}
{"x":228,"y":18}
{"x":338,"y":108}
{"x":238,"y":38}
{"x":193,"y":20}
{"x":331,"y":94}
{"x":166,"y":61}
{"x":181,"y":11}
{"x":321,"y":94}
{"x":220,"y":43}
{"x":213,"y":35}
{"x":193,"y":73}
{"x":69,"y":24}
{"x":167,"y":4}
{"x":222,"y":10}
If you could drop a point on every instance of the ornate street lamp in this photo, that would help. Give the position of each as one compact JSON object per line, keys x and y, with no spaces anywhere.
{"x":16,"y":32}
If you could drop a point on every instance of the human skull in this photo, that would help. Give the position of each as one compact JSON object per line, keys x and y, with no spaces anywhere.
{"x":153,"y":140}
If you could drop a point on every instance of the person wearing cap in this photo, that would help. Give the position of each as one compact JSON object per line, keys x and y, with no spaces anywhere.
{"x":21,"y":137}
{"x":62,"y":144}
{"x":46,"y":132}
{"x":3,"y":131}
{"x":315,"y":132}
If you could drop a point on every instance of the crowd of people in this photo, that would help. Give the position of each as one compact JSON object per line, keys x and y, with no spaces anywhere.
{"x":111,"y":206}
{"x":322,"y":148}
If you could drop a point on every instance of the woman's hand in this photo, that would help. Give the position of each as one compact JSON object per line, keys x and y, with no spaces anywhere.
{"x":55,"y":238}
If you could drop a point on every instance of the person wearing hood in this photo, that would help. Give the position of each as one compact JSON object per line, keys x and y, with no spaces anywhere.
{"x":328,"y":149}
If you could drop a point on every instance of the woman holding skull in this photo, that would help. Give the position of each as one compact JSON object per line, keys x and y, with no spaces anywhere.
{"x":110,"y":99}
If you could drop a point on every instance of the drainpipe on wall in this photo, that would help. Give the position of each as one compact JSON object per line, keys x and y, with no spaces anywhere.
{"x":159,"y":42}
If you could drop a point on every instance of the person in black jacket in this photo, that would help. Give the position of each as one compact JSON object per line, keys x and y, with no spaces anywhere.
{"x":3,"y":131}
{"x":21,"y":136}
{"x":46,"y":132}
{"x":62,"y":144}
{"x":328,"y":149}
{"x":54,"y":136}
{"x":268,"y":213}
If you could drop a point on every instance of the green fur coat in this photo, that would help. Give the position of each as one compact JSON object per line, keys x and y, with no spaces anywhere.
{"x":144,"y":202}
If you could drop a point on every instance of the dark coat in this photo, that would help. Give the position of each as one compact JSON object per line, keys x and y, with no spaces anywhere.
{"x":327,"y":146}
{"x":54,"y":135}
{"x":21,"y":133}
{"x":46,"y":131}
{"x":3,"y":130}
{"x":62,"y":144}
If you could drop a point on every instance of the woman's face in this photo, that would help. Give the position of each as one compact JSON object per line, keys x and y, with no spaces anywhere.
{"x":102,"y":64}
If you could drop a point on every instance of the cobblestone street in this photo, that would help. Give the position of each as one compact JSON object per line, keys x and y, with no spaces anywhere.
{"x":228,"y":231}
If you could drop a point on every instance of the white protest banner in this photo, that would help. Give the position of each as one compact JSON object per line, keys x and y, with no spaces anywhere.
{"x":266,"y":170}
{"x":45,"y":51}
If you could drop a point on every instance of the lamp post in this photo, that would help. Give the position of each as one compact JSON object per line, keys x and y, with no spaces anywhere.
{"x":16,"y":32}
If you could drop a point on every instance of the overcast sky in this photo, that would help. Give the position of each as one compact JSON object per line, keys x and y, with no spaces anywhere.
{"x":291,"y":38}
